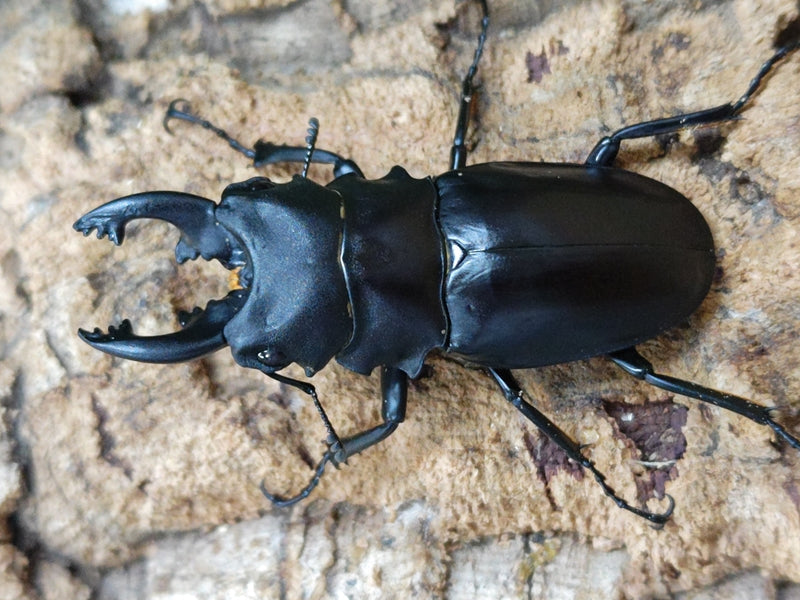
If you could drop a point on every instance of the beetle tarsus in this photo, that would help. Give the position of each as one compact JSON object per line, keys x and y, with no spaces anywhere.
{"x":185,"y":114}
{"x":777,"y":428}
{"x":755,"y":83}
{"x":458,"y":152}
{"x":283,"y":501}
{"x":658,"y":519}
{"x":173,"y":112}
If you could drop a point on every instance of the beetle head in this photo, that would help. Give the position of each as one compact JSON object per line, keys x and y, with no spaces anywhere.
{"x":284,"y":238}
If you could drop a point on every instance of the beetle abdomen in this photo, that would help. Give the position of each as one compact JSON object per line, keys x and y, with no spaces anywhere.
{"x":549,"y":263}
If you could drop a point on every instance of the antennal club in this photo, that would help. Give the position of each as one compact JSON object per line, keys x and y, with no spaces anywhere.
{"x":311,"y":140}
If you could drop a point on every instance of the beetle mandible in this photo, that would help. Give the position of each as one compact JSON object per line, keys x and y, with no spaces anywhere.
{"x":504,"y":265}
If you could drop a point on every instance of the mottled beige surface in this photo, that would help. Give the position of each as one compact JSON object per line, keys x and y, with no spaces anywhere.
{"x":105,"y":462}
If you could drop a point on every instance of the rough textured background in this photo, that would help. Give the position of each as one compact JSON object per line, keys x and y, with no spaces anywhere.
{"x":124,"y":480}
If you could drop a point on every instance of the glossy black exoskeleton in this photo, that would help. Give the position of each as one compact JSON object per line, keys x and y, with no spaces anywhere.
{"x":506,"y":265}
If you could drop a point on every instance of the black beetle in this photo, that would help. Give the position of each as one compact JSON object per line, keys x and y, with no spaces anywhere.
{"x":504,"y":265}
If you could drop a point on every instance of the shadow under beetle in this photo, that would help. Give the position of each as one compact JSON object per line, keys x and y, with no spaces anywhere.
{"x":505,"y":265}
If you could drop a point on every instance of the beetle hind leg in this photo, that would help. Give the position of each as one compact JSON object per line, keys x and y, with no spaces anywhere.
{"x":635,"y":364}
{"x":514,"y":394}
{"x":604,"y":153}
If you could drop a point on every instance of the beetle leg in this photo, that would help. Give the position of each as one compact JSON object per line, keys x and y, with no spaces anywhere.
{"x":458,"y":153}
{"x":635,"y":364}
{"x":263,"y":153}
{"x":184,"y":114}
{"x":514,"y":394}
{"x":309,"y":389}
{"x":394,"y":391}
{"x":604,"y":153}
{"x":267,"y":153}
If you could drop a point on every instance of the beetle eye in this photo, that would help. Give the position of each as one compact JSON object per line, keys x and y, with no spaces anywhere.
{"x":271,"y":358}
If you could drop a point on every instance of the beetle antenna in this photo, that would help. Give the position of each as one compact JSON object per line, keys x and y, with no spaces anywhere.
{"x":311,"y":140}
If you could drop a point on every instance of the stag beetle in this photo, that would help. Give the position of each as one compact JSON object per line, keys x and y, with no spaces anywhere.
{"x":504,"y":265}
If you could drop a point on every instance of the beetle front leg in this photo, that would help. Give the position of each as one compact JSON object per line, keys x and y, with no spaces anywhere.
{"x":394,"y":392}
{"x":514,"y":394}
{"x":262,"y":153}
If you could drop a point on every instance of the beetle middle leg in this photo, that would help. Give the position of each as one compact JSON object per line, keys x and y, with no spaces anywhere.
{"x":458,"y":153}
{"x":604,"y":153}
{"x":394,"y":392}
{"x":514,"y":394}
